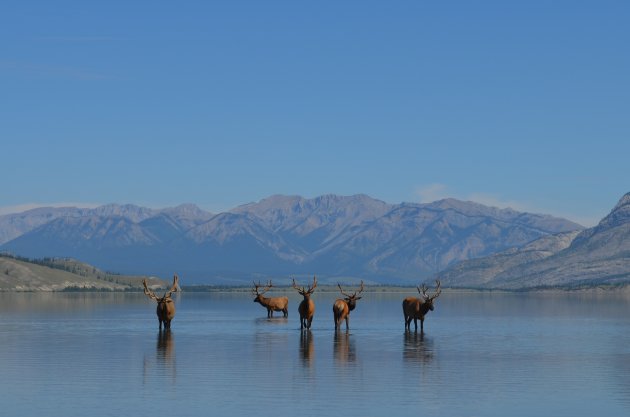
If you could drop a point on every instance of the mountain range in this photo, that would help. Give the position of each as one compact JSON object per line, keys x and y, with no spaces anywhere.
{"x":596,"y":256}
{"x":331,"y":236}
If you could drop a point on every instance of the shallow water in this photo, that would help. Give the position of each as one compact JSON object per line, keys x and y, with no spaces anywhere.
{"x":482,"y":354}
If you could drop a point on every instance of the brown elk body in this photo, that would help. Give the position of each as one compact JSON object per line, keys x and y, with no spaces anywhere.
{"x":343,"y":306}
{"x":271,"y":303}
{"x":165,"y":305}
{"x":416,"y":308}
{"x":307,"y":306}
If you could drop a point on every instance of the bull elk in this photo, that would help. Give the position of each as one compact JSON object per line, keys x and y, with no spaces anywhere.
{"x":165,"y":305}
{"x":343,"y":306}
{"x":416,"y":308}
{"x":307,"y":306}
{"x":270,"y":303}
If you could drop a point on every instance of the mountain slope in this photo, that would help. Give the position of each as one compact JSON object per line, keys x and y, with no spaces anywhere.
{"x":599,"y":255}
{"x":63,"y":274}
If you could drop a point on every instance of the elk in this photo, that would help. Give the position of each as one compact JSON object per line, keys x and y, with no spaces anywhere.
{"x":343,"y":306}
{"x":416,"y":308}
{"x":270,"y":303}
{"x":307,"y":306}
{"x":165,"y":305}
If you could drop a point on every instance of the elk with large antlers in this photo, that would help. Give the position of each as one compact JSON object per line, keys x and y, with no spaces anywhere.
{"x":416,"y":308}
{"x":165,"y":305}
{"x":270,"y":303}
{"x":307,"y":306}
{"x":343,"y":306}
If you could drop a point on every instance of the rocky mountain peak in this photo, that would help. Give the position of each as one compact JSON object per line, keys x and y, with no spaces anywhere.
{"x":623,"y":201}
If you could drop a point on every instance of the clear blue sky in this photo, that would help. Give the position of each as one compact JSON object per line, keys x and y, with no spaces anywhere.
{"x":509,"y":103}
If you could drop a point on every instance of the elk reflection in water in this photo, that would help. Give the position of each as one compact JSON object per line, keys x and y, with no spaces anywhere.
{"x":417,"y":348}
{"x":307,"y":352}
{"x":164,"y":362}
{"x":344,"y":349}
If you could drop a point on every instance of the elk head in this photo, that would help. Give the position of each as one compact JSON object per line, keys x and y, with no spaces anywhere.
{"x":306,"y":293}
{"x":165,"y":305}
{"x":428,"y":299}
{"x":351,"y":300}
{"x":259,"y":294}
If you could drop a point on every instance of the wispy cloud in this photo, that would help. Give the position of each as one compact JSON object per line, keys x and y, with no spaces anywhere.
{"x":432,"y":192}
{"x":29,"y":206}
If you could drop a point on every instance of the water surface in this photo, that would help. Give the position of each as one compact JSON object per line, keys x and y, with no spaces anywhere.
{"x":482,"y":354}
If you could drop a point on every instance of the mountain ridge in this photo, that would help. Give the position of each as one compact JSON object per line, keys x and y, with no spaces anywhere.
{"x":330,"y":235}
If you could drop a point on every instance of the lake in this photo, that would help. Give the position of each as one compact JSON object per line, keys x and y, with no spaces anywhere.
{"x":482,"y":354}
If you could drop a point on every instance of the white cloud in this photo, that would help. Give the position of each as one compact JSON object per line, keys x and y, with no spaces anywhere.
{"x":29,"y":206}
{"x":432,"y":192}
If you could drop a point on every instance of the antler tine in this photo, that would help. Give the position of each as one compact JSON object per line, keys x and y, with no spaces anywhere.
{"x":174,"y":287}
{"x":360,"y":289}
{"x":438,"y":289}
{"x":300,"y":290}
{"x":423,"y":290}
{"x":312,"y":288}
{"x":256,"y":286}
{"x":342,"y":292}
{"x":147,"y":291}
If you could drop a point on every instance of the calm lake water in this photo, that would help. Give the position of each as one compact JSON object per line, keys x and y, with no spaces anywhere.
{"x":482,"y":354}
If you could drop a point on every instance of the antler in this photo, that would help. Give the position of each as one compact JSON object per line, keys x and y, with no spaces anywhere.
{"x":312,"y":288}
{"x":174,"y":287}
{"x":423,"y":291}
{"x":302,"y":291}
{"x":256,"y":286}
{"x":359,"y":291}
{"x":342,"y":292}
{"x":147,"y":291}
{"x":438,"y":290}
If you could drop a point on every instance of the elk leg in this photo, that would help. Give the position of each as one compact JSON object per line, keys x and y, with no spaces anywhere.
{"x":415,"y":323}
{"x":422,"y":325}
{"x":347,"y":323}
{"x":285,"y":311}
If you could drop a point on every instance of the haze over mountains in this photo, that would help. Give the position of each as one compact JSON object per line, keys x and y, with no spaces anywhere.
{"x":331,"y":236}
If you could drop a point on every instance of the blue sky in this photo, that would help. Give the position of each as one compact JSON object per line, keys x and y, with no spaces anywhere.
{"x":521,"y":104}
